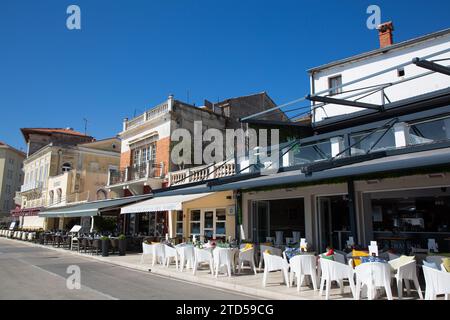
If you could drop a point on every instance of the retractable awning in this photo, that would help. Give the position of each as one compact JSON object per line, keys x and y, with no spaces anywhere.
{"x":89,"y":209}
{"x":162,"y":203}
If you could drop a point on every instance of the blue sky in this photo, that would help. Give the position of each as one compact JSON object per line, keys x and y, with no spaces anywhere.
{"x":130,"y":55}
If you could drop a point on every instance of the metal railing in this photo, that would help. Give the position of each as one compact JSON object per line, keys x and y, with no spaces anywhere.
{"x":31,"y":186}
{"x":135,"y":172}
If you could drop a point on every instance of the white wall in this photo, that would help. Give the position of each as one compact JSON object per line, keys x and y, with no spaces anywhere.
{"x":162,"y":129}
{"x":358,"y":69}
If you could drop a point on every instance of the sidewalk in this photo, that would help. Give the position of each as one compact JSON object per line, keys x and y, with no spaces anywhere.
{"x":246,"y":283}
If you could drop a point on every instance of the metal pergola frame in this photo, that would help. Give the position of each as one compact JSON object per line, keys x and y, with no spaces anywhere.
{"x":422,"y":62}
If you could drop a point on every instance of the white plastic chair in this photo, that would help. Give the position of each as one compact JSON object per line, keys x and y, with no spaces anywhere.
{"x":334,"y":271}
{"x":407,"y":273}
{"x":373,"y":275}
{"x":392,"y":256}
{"x":203,"y":256}
{"x":159,"y":254}
{"x":274,"y":251}
{"x":373,"y":250}
{"x":339,"y":257}
{"x":436,"y":259}
{"x":169,"y":254}
{"x":301,"y":266}
{"x":187,"y":256}
{"x":437,"y":283}
{"x":223,"y":258}
{"x":247,"y":256}
{"x":350,"y":242}
{"x":279,"y":238}
{"x":147,"y":249}
{"x":432,"y":245}
{"x":275,"y":263}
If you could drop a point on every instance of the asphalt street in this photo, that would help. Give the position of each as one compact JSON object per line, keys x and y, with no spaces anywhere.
{"x":28,"y":272}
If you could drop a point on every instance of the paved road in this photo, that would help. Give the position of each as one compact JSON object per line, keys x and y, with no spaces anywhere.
{"x":28,"y":272}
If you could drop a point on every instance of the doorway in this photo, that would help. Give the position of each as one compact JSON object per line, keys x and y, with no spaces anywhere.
{"x":333,"y":221}
{"x":260,"y":220}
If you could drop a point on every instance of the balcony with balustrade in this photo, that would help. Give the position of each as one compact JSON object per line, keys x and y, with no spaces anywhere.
{"x":202,"y":173}
{"x":148,"y":116}
{"x":135,"y":177}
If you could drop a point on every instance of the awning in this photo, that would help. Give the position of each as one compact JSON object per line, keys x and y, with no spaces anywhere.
{"x":33,"y":222}
{"x":162,"y":203}
{"x":89,"y":209}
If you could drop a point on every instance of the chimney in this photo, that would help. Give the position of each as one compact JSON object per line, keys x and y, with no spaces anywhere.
{"x":385,"y":34}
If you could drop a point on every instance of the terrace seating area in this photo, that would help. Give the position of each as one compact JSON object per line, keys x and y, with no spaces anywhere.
{"x":366,"y":273}
{"x":295,"y":269}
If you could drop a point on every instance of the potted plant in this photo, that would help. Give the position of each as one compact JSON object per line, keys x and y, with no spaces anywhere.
{"x":122,"y":245}
{"x":105,"y":246}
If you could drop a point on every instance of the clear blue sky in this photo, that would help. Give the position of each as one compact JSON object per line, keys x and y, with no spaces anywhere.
{"x":130,"y":55}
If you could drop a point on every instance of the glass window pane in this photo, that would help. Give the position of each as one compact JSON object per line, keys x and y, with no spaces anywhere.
{"x":365,"y":144}
{"x":209,"y":219}
{"x":221,"y":215}
{"x":220,"y":228}
{"x":179,"y":216}
{"x":179,"y":228}
{"x":209,"y":234}
{"x":195,"y":228}
{"x":430,"y":131}
{"x":195,"y":215}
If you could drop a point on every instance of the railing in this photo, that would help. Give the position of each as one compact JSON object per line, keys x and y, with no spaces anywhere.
{"x":31,"y":186}
{"x":202,"y":173}
{"x":147,"y":116}
{"x":135,"y":172}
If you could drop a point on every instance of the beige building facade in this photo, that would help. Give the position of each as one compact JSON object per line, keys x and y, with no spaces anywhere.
{"x":11,"y":177}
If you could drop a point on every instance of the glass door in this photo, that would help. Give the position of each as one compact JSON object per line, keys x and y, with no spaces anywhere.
{"x":325,"y":223}
{"x":260,"y":220}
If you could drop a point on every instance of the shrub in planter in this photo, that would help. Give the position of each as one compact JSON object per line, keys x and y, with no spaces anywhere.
{"x":122,"y":245}
{"x":105,"y":246}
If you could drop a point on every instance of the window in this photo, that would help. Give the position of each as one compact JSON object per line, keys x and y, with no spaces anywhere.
{"x":333,"y":82}
{"x":221,"y":219}
{"x":429,"y":131}
{"x":208,"y":223}
{"x":144,"y":154}
{"x":195,"y":222}
{"x":179,"y":223}
{"x":310,"y":153}
{"x":365,"y":143}
{"x":102,"y":195}
{"x":66,"y":167}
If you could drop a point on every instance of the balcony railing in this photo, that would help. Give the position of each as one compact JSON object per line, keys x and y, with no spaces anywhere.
{"x":147,"y":116}
{"x":135,"y":172}
{"x":202,"y":173}
{"x":34,"y":185}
